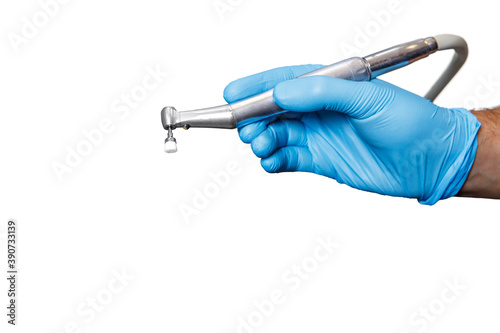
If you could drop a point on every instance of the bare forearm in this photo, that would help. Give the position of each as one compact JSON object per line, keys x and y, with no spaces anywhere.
{"x":484,"y":177}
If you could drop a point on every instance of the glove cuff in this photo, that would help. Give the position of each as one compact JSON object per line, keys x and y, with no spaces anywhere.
{"x":457,"y":172}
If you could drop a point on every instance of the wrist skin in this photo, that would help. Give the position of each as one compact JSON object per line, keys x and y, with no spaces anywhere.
{"x":484,"y":176}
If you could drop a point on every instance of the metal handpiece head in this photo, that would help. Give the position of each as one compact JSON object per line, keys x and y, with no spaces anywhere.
{"x":215,"y":117}
{"x":169,"y":116}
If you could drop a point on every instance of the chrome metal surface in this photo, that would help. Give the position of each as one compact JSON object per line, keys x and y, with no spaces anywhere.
{"x":214,"y":117}
{"x":400,"y":55}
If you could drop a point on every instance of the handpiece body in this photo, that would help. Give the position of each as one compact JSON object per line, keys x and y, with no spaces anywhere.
{"x":262,"y":105}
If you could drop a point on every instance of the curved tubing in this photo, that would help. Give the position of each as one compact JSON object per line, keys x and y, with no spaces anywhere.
{"x":459,"y":45}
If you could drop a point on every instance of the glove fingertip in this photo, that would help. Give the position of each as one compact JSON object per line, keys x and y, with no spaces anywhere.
{"x":232,"y":92}
{"x":270,"y":164}
{"x":282,"y":95}
{"x":245,"y":134}
{"x":262,"y":145}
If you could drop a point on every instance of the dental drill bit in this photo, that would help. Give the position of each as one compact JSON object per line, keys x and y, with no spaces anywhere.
{"x":170,"y":142}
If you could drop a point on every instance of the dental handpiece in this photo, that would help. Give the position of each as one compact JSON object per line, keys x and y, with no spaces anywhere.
{"x":261,"y":106}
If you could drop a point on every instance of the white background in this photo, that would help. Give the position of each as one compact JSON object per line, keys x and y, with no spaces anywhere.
{"x":119,"y":209}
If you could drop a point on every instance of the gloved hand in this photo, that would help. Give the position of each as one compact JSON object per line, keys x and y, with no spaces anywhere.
{"x":373,"y":136}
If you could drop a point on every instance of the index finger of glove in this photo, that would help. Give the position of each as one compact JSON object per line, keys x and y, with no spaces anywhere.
{"x":260,"y":82}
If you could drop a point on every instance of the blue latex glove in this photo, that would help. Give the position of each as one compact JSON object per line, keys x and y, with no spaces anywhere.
{"x":373,"y":136}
